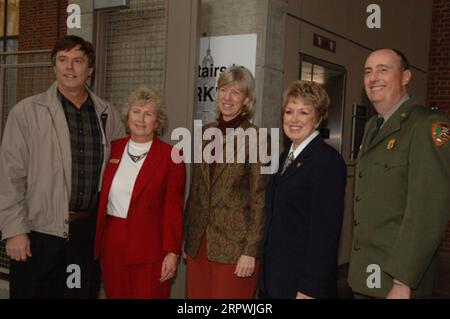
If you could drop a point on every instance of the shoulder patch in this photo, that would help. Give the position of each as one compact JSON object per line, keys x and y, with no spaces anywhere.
{"x":440,"y":132}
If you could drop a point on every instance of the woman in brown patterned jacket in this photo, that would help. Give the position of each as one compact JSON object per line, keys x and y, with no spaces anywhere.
{"x":224,"y":215}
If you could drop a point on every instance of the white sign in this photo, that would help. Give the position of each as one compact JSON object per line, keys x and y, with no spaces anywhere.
{"x":215,"y":55}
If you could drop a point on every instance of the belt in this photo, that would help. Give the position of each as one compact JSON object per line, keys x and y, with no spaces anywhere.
{"x":73,"y":216}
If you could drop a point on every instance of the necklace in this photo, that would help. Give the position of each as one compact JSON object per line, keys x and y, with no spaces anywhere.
{"x":135,"y":158}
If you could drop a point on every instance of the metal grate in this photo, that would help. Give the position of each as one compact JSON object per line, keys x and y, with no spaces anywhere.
{"x":134,"y":39}
{"x":34,"y":76}
{"x":4,"y":260}
{"x":23,"y":74}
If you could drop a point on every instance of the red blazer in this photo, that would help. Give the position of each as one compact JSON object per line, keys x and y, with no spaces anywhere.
{"x":154,"y":221}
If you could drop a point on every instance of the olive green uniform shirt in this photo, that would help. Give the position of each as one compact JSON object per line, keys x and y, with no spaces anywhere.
{"x":402,"y":201}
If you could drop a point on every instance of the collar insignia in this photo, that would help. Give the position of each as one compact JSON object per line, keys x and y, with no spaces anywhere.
{"x":391,"y":144}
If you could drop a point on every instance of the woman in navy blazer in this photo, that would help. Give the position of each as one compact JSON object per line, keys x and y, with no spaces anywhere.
{"x":304,"y":204}
{"x":139,"y":226}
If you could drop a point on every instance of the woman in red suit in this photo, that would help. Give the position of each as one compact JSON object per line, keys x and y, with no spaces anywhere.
{"x":139,"y":226}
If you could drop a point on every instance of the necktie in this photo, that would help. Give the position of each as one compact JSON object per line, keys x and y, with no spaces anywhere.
{"x":288,"y":162}
{"x":380,"y":121}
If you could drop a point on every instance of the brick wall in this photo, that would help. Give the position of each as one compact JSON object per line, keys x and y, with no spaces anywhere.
{"x":41,"y":22}
{"x":439,"y":70}
{"x":439,"y":96}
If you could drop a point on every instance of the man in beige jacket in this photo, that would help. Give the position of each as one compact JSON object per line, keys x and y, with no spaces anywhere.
{"x":52,"y":156}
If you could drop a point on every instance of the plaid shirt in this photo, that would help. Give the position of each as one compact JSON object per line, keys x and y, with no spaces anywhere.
{"x":87,"y":152}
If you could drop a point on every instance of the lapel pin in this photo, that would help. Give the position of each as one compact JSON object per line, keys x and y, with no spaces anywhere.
{"x":298,"y":164}
{"x":114,"y":161}
{"x":391,"y":144}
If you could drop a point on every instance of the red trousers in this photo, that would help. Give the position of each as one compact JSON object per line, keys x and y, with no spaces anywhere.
{"x":211,"y":280}
{"x":127,"y":281}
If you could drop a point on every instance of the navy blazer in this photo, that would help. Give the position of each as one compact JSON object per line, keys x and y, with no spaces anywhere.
{"x":304,"y":208}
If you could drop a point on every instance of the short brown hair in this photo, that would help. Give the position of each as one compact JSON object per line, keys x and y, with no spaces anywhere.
{"x":69,"y":42}
{"x":308,"y":92}
{"x":242,"y":76}
{"x":147,"y":95}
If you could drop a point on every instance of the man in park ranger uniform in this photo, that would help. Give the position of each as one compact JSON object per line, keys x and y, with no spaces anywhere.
{"x":402,"y":190}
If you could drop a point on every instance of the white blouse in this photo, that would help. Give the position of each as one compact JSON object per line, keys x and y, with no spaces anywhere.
{"x":123,"y":182}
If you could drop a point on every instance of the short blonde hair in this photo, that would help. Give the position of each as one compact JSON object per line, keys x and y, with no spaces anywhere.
{"x":242,"y":76}
{"x":147,"y":95}
{"x":308,"y":92}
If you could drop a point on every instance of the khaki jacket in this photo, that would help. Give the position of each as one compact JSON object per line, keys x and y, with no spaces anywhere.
{"x":229,"y":210}
{"x":36,"y":164}
{"x":402,"y":202}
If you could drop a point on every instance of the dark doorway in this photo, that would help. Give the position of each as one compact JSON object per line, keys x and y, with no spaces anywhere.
{"x":332,"y":77}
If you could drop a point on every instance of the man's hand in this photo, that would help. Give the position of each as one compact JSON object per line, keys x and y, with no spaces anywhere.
{"x":18,"y":247}
{"x":245,"y":266}
{"x":399,"y":291}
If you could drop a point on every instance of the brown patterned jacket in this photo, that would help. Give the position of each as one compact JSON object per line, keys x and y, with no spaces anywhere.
{"x":230,"y":208}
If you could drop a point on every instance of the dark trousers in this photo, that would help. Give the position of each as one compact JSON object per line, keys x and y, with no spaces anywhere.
{"x":263,"y":295}
{"x":47,"y":273}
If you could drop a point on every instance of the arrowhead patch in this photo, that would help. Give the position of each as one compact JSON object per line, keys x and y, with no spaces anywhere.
{"x":440,"y":132}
